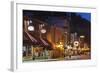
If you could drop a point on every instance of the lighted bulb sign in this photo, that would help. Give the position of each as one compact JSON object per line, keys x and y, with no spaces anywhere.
{"x":43,"y":31}
{"x":76,"y":43}
{"x":30,"y":28}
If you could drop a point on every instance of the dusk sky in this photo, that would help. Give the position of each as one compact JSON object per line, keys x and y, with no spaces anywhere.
{"x":87,"y":16}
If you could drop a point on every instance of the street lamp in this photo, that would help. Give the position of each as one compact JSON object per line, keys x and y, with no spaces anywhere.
{"x":82,"y":36}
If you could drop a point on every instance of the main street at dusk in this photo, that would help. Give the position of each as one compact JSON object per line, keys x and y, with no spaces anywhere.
{"x":55,"y":36}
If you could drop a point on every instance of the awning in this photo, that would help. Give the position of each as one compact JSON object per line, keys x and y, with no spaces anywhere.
{"x":30,"y":39}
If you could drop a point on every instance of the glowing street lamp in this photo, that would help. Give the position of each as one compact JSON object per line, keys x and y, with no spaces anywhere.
{"x":60,"y":46}
{"x":82,"y":36}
